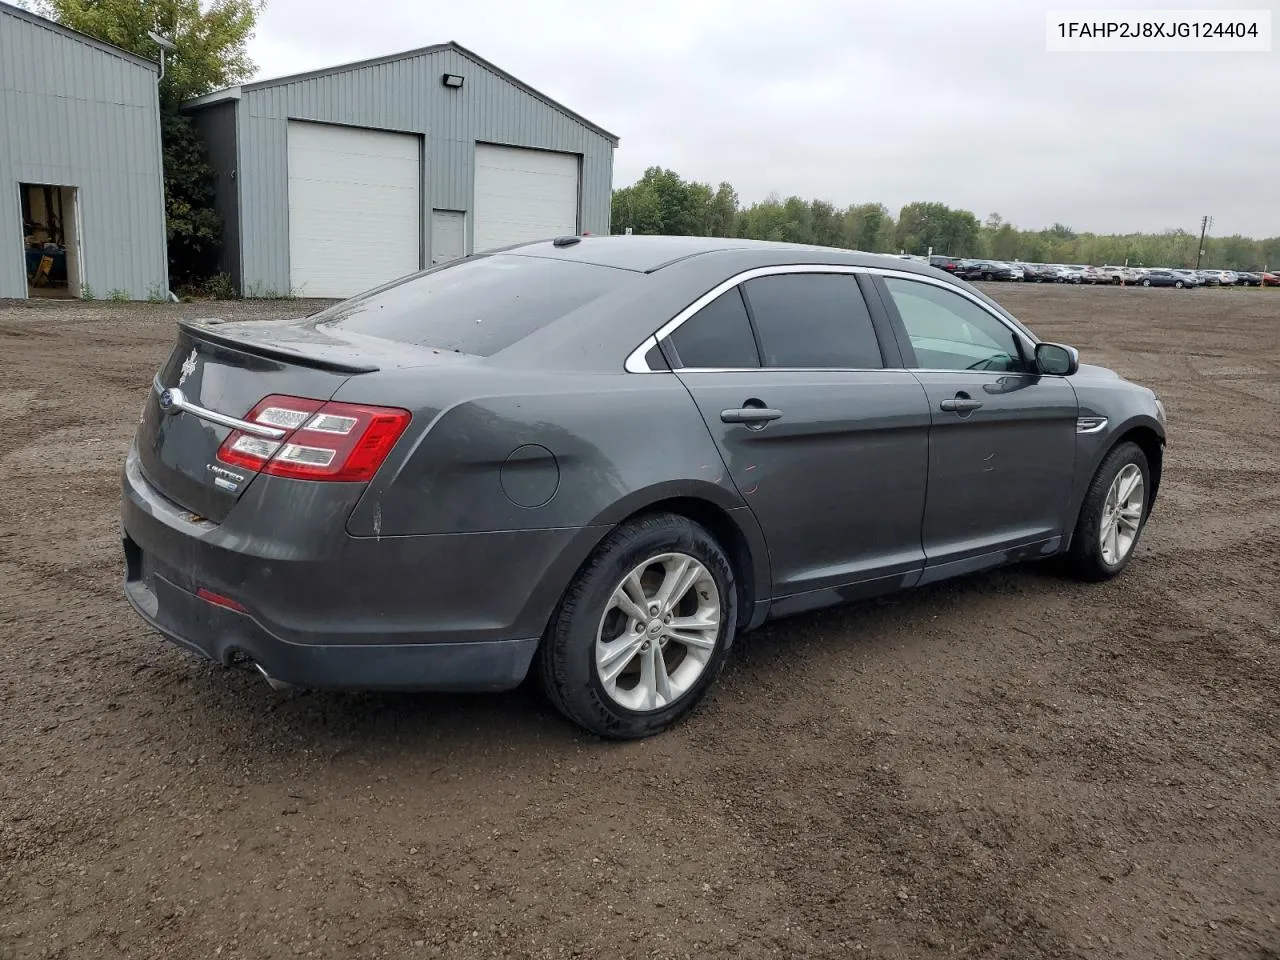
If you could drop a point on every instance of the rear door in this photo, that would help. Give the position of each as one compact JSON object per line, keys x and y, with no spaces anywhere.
{"x":826,"y":441}
{"x":1003,"y":440}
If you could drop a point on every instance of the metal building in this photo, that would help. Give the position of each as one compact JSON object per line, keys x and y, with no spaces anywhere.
{"x":333,"y":181}
{"x":81,"y":187}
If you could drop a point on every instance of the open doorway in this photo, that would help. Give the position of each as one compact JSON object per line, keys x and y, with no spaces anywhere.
{"x":50,"y":240}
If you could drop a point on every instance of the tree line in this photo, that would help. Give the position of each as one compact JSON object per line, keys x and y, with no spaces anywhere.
{"x":661,"y":202}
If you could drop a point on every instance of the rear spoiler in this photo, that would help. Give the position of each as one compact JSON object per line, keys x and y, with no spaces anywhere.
{"x":204,"y":330}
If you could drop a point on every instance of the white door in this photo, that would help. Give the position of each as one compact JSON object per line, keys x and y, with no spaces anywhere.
{"x":523,"y":195}
{"x":354,"y":208}
{"x":448,"y":235}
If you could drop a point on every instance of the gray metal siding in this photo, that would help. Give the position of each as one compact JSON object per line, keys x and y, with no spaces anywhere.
{"x":404,"y":95}
{"x":73,"y":114}
{"x":217,"y":128}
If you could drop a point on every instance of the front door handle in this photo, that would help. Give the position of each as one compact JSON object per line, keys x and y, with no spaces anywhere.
{"x":750,"y":415}
{"x":960,"y":403}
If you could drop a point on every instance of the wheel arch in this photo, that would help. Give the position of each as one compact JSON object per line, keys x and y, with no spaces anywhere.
{"x":728,"y":529}
{"x":713,"y":505}
{"x":1150,"y":439}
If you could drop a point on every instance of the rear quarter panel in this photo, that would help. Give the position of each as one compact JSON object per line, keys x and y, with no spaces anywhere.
{"x":498,"y":449}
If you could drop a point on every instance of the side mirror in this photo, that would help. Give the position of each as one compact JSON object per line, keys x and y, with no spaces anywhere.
{"x":1057,"y":360}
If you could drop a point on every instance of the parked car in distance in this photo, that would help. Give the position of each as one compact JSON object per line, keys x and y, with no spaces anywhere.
{"x":1210,"y":278}
{"x":949,"y":264}
{"x":1072,"y":273}
{"x":1191,"y":278}
{"x":1160,"y":277}
{"x":1016,"y":272}
{"x":1040,"y":273}
{"x":983,"y":270}
{"x":1270,"y":279}
{"x":1229,"y":278}
{"x":1109,"y":274}
{"x":1247,"y":278}
{"x":273,"y":511}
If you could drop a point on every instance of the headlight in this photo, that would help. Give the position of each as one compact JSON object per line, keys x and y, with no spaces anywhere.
{"x":1160,"y":414}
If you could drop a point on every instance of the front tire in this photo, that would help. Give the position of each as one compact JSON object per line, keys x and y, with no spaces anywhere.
{"x":1113,"y":515}
{"x":643,"y":630}
{"x":1146,"y":283}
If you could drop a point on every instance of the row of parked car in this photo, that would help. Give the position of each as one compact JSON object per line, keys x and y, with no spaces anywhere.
{"x":1082,"y":273}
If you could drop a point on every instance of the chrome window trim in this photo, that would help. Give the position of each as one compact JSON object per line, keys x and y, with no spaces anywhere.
{"x":788,"y":370}
{"x":635,"y":362}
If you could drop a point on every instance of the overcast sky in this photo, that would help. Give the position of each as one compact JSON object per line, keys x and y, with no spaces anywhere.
{"x":866,"y":101}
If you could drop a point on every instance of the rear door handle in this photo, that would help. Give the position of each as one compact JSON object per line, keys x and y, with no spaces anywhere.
{"x":960,"y":404}
{"x":750,"y":415}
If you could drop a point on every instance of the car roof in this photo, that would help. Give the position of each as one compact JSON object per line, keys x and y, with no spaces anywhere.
{"x":646,"y":254}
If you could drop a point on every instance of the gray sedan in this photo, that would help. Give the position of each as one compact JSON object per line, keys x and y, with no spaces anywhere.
{"x":598,"y":460}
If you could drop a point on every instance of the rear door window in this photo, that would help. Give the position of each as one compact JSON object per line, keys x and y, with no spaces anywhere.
{"x":719,"y":335}
{"x":476,"y":306}
{"x":813,"y":320}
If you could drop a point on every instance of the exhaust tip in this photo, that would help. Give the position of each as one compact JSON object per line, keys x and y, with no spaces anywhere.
{"x":272,"y":682}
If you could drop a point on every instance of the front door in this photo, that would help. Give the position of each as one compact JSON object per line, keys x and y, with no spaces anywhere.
{"x":1003,"y":439}
{"x":827,"y":446}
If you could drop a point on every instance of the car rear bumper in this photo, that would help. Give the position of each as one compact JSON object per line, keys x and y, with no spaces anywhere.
{"x":227,"y":637}
{"x":323,"y":609}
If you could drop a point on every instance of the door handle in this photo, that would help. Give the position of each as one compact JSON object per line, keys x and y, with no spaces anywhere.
{"x":750,"y":415}
{"x":960,"y":404}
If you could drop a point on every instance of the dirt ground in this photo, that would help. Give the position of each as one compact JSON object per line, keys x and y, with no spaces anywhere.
{"x":1013,"y":765}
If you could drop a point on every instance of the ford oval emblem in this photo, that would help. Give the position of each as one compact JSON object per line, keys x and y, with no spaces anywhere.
{"x":171,"y":400}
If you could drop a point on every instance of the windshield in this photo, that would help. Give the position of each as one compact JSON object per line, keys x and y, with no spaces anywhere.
{"x":477,"y":306}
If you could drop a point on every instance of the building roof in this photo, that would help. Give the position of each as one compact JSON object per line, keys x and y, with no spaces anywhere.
{"x":234,"y":93}
{"x":110,"y":48}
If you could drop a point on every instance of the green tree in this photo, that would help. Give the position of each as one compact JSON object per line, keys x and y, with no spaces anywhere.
{"x":211,"y":52}
{"x":825,"y":226}
{"x":722,"y":217}
{"x":662,"y":202}
{"x":1004,"y":243}
{"x":868,"y":227}
{"x":922,"y":226}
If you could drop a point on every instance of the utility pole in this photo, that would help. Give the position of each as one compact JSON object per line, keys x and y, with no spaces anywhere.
{"x":1205,"y":222}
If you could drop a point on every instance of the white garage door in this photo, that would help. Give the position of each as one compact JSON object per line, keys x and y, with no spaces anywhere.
{"x":354,"y":208}
{"x":523,"y":195}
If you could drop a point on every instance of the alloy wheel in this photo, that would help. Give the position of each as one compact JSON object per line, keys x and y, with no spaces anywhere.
{"x":1122,"y":514}
{"x":658,"y":632}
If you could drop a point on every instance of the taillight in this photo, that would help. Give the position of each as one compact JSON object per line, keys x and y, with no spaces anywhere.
{"x":323,"y":441}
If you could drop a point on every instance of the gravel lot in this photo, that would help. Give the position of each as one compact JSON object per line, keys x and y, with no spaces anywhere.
{"x":1009,"y":766}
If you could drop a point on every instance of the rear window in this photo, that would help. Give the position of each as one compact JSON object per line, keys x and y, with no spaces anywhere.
{"x":478,"y":306}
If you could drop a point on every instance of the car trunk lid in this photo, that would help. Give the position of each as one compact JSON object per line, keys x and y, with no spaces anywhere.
{"x":215,"y":374}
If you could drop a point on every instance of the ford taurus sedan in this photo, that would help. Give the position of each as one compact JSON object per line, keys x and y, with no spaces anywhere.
{"x":596,"y":461}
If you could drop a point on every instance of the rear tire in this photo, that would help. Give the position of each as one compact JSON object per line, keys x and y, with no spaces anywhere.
{"x":575,"y":660}
{"x":1091,"y":558}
